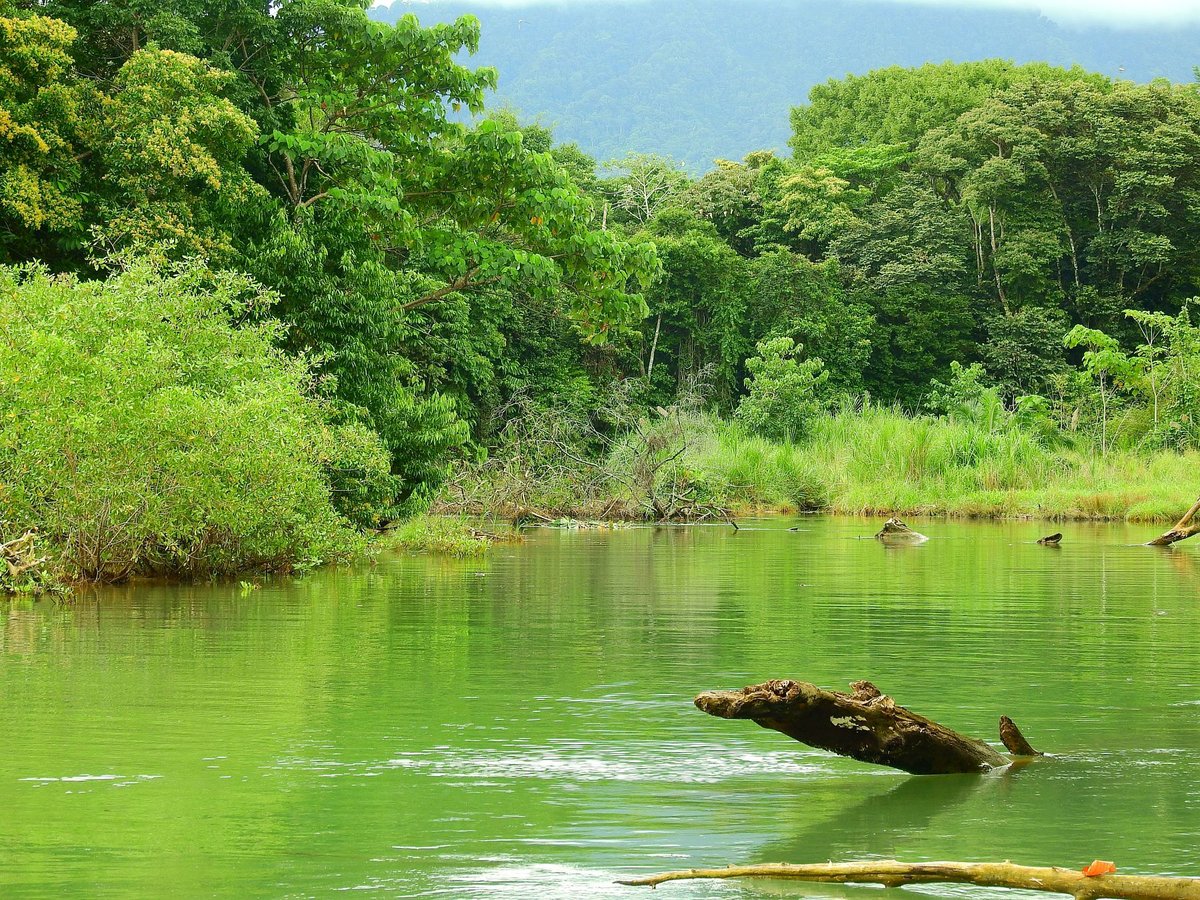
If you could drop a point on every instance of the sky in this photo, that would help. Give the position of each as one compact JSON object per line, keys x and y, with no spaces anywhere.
{"x":1111,"y":12}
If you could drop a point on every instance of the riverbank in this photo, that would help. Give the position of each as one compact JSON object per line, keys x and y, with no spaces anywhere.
{"x":876,"y":462}
{"x":697,"y":467}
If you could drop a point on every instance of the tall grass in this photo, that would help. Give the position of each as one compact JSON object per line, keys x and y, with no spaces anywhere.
{"x":880,"y":460}
{"x":872,"y":460}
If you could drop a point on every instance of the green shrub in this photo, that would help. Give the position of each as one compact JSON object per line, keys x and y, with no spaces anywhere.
{"x":146,"y":427}
{"x":783,"y":392}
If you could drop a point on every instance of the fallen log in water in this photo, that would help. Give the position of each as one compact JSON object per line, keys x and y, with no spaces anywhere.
{"x":1006,"y":875}
{"x":866,"y":725}
{"x":1185,"y":528}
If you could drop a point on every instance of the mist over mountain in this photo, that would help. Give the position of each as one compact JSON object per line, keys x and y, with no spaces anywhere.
{"x":702,"y":79}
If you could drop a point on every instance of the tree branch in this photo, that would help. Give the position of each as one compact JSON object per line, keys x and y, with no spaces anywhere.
{"x":1006,"y":875}
{"x":462,"y":283}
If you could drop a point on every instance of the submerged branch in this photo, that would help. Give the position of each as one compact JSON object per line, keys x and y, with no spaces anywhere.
{"x":1185,"y":528}
{"x":1005,"y":875}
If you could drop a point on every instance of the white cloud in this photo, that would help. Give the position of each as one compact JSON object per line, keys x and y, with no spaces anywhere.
{"x":1117,"y":12}
{"x":1113,"y":12}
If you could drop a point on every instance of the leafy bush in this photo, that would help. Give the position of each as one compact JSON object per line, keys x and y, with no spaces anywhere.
{"x":784,"y":393}
{"x":147,"y":427}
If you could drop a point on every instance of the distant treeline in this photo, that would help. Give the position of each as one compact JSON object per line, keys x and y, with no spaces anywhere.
{"x":698,"y":80}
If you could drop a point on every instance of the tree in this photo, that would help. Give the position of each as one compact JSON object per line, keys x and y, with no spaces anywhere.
{"x":697,"y":308}
{"x":789,"y":296}
{"x":897,"y":105}
{"x":172,"y":148}
{"x":149,"y":428}
{"x":644,"y":183}
{"x":41,"y":117}
{"x":1024,"y":350}
{"x":906,"y":263}
{"x":1108,"y":365}
{"x":1169,"y":364}
{"x":783,"y":392}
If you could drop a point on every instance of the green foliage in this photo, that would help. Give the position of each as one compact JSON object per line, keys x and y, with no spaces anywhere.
{"x":315,"y":148}
{"x":1169,"y":362}
{"x":963,"y":395}
{"x":41,"y":116}
{"x":172,"y":150}
{"x":697,"y":308}
{"x":1111,"y":368}
{"x":783,"y":392}
{"x":1024,"y":350}
{"x":444,"y":288}
{"x":793,"y":297}
{"x":143,"y":432}
{"x":898,"y":105}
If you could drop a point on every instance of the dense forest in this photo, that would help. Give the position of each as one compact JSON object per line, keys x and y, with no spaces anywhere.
{"x":698,"y":80}
{"x":262,"y":290}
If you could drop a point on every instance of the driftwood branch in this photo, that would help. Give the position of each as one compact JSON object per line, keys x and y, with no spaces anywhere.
{"x":1013,"y":740}
{"x":866,"y":725}
{"x":1006,"y":875}
{"x":1185,"y":528}
{"x":19,"y":556}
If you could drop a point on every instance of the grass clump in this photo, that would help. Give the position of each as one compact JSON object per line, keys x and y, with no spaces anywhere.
{"x":442,"y":535}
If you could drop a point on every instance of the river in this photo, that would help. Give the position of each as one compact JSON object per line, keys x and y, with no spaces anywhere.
{"x":521,"y":725}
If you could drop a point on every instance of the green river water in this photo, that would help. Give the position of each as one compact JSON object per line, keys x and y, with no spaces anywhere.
{"x":522,"y":726}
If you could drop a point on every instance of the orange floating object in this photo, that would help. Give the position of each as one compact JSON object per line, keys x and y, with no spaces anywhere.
{"x":1100,"y":867}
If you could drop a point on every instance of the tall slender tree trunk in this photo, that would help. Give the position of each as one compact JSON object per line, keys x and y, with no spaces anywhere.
{"x":995,"y":268}
{"x":654,"y":346}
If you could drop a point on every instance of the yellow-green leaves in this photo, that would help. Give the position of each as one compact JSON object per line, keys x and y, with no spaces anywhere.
{"x":173,"y":150}
{"x":39,"y":121}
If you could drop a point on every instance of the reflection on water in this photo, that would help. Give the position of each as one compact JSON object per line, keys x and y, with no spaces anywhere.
{"x":522,"y":725}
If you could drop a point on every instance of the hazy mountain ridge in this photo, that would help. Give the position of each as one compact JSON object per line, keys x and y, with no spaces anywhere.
{"x":688,"y":79}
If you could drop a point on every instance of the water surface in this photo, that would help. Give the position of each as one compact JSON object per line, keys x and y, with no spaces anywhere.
{"x":521,"y":725}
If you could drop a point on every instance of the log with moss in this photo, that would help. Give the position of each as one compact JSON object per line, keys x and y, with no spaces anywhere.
{"x":867,"y":725}
{"x":896,"y":532}
{"x":1006,"y":875}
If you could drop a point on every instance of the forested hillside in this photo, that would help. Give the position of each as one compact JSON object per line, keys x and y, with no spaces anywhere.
{"x":703,"y":79}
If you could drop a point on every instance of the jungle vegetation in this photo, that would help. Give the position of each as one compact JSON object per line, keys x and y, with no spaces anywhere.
{"x":263,"y":287}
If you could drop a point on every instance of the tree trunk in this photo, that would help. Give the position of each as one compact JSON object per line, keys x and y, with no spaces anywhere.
{"x":1185,"y":528}
{"x":654,"y":346}
{"x":1006,"y":875}
{"x":867,"y":726}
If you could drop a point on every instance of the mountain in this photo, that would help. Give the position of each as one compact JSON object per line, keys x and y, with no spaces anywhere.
{"x":702,"y":79}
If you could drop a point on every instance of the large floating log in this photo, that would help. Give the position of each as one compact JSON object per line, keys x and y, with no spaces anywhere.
{"x":1005,"y":875}
{"x":1185,"y":528}
{"x":866,"y":725}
